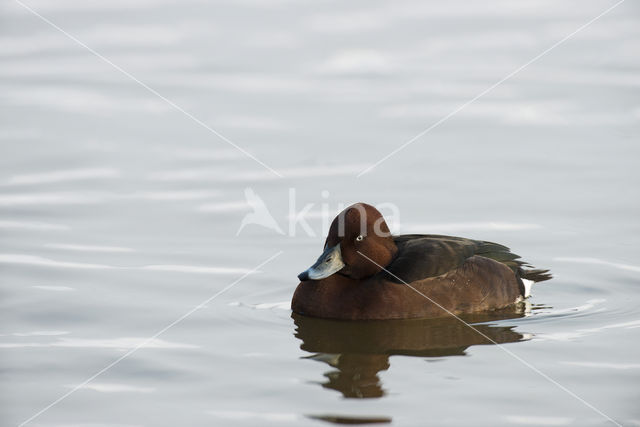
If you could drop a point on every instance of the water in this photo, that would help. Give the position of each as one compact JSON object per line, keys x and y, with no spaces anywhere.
{"x":119,"y":214}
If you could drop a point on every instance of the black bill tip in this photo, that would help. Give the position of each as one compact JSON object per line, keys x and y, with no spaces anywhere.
{"x":304,"y":276}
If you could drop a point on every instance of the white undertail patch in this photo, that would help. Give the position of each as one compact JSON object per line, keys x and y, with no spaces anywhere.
{"x":527,"y":287}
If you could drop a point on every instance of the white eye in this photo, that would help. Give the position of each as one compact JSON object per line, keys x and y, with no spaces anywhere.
{"x":359,"y":238}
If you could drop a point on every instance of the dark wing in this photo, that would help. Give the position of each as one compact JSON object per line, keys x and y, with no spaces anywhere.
{"x":421,"y":256}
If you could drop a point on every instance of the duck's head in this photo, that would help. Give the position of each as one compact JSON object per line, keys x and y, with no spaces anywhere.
{"x":359,"y":245}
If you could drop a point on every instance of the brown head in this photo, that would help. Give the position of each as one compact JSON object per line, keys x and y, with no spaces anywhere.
{"x":359,"y":244}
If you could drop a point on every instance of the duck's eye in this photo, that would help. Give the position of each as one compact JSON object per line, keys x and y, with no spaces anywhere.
{"x":359,"y":238}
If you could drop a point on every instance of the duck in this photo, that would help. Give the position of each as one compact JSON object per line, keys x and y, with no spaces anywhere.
{"x":366,"y":273}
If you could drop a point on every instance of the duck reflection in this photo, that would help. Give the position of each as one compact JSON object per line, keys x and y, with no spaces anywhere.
{"x":359,"y":350}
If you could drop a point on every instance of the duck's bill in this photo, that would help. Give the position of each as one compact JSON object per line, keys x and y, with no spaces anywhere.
{"x":329,"y":262}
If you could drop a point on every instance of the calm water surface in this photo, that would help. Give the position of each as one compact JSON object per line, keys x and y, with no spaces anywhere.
{"x":119,"y":214}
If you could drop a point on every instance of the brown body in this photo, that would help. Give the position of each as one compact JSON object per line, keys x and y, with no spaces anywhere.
{"x":412,"y":276}
{"x":480,"y":284}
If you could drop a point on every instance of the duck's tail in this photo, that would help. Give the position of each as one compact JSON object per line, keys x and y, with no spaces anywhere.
{"x":531,"y":276}
{"x":536,"y":274}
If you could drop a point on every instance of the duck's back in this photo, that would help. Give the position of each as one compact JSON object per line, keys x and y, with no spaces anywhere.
{"x":422,"y":256}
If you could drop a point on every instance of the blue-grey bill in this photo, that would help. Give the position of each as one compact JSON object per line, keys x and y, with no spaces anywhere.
{"x":329,"y":262}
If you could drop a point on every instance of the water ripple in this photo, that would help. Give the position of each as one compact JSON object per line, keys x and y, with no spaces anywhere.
{"x":310,"y":171}
{"x":46,"y":262}
{"x":88,"y":248}
{"x":604,"y":365}
{"x":32,"y":225}
{"x":63,"y":176}
{"x":113,"y":388}
{"x":536,"y":420}
{"x":198,"y":269}
{"x":65,"y":198}
{"x":54,"y":288}
{"x":82,"y":198}
{"x":470,"y":226}
{"x":124,"y":343}
{"x":37,"y":334}
{"x":597,"y":261}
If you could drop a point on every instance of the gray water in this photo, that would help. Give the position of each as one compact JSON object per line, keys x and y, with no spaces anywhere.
{"x":119,"y":213}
